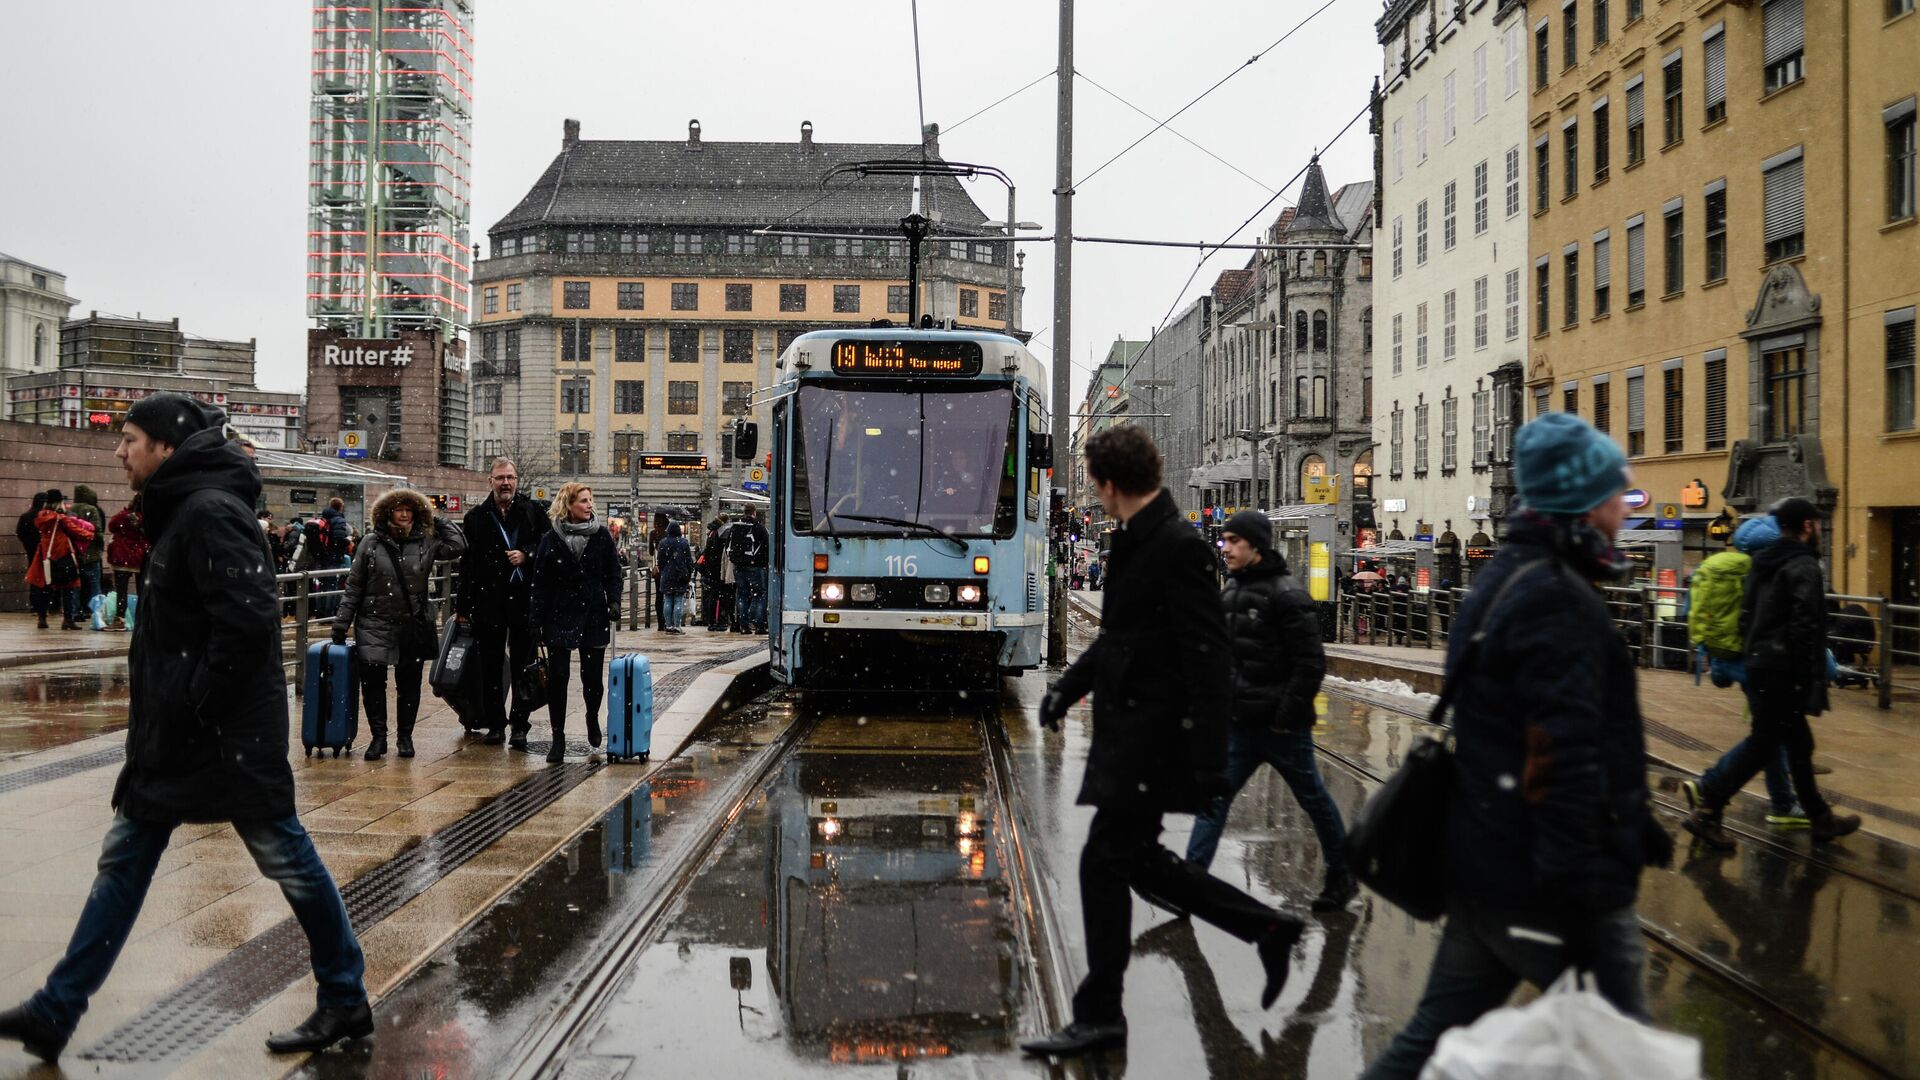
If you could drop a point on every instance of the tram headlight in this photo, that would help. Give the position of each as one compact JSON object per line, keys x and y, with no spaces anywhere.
{"x":862,"y":592}
{"x":937,"y":594}
{"x":969,"y":594}
{"x":981,"y":564}
{"x":832,"y":592}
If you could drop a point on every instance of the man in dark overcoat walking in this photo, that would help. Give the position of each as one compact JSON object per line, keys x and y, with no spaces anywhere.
{"x":1161,"y":677}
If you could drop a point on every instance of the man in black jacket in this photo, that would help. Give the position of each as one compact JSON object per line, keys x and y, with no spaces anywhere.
{"x":206,"y":731}
{"x":1548,"y":822}
{"x":1278,"y":662}
{"x":1783,"y":620}
{"x":1160,"y":673}
{"x":496,"y":589}
{"x":747,"y":547}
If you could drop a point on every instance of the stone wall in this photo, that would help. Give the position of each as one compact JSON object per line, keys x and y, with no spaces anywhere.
{"x":34,"y":458}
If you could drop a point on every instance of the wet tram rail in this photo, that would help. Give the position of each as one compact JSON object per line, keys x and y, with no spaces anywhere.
{"x":1745,"y":921}
{"x":818,"y":881}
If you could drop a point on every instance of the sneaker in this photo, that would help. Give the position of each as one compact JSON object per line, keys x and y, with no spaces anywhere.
{"x":1691,"y":789}
{"x":1705,"y":824}
{"x":1791,"y":818}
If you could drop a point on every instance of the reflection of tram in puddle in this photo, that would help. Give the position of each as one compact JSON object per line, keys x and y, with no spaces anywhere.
{"x":892,"y":932}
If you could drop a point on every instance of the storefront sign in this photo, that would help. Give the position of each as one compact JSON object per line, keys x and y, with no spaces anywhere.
{"x":1393,"y":506}
{"x":1670,"y":517}
{"x":377,"y":353}
{"x":303,"y":496}
{"x":268,"y":436}
{"x":1636,"y":499}
{"x":1694,"y":495}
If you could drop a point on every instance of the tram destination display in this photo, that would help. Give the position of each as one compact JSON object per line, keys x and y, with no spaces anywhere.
{"x":957,"y":359}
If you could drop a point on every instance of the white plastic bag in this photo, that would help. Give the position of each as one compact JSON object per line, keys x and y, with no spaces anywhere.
{"x":1568,"y":1033}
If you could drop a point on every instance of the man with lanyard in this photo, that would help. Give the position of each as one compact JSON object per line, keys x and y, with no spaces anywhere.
{"x":495,"y":589}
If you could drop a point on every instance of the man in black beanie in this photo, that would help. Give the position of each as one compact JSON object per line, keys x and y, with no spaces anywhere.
{"x":206,"y":736}
{"x":1278,"y":663}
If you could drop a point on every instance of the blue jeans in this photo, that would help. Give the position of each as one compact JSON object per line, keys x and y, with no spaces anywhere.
{"x":1779,"y":786}
{"x":128,"y":857}
{"x":750,"y":605}
{"x":1291,"y":755}
{"x":1485,"y":953}
{"x":676,"y":604}
{"x":89,"y":586}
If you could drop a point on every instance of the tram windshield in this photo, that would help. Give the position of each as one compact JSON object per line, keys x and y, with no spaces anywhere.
{"x":940,"y":458}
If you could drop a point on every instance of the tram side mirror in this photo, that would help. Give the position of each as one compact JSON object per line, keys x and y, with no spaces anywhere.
{"x":1039,"y":451}
{"x":746,"y":439}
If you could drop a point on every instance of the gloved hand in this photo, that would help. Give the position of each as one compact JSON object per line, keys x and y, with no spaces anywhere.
{"x":339,"y":635}
{"x":1656,"y":845}
{"x":1053,"y":708}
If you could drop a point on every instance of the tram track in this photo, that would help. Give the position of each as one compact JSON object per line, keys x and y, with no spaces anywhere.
{"x":1662,"y":938}
{"x":591,"y":1002}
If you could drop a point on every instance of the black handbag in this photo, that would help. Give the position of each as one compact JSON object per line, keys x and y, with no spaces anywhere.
{"x":1397,"y":845}
{"x":530,"y":683}
{"x":413,"y":634}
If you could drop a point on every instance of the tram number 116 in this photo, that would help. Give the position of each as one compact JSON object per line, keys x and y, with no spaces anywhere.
{"x":903,"y":565}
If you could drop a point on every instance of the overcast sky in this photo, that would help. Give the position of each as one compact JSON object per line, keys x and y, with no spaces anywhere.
{"x":157,"y":155}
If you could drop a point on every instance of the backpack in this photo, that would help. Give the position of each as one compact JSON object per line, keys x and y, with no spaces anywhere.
{"x":319,"y":538}
{"x":745,"y":545}
{"x":1713,"y":604}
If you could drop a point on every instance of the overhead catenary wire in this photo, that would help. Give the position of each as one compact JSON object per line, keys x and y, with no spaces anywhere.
{"x":1244,"y":65}
{"x":1175,"y":131}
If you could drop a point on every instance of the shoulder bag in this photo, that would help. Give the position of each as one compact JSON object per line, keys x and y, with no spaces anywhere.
{"x":413,"y":633}
{"x":1398,"y":842}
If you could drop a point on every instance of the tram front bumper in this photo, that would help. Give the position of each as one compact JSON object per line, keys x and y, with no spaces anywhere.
{"x":874,"y":619}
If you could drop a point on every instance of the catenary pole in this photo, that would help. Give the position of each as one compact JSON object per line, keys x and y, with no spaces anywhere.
{"x":1062,"y":305}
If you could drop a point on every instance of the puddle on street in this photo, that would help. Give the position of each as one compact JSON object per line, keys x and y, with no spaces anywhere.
{"x":54,"y":705}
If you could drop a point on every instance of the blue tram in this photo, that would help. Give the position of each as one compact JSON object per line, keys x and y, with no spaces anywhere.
{"x":908,"y":510}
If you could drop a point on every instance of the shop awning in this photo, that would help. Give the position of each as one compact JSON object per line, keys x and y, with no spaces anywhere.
{"x":288,"y":465}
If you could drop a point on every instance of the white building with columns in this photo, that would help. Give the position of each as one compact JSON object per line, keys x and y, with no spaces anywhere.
{"x":1450,"y":254}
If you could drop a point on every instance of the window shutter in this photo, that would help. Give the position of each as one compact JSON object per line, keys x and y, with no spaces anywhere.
{"x":1784,"y":203}
{"x":1636,"y":400}
{"x":1636,"y":255}
{"x":1716,"y":49}
{"x":1636,"y":105}
{"x":1786,"y":29}
{"x":1716,"y":367}
{"x":1602,"y":259}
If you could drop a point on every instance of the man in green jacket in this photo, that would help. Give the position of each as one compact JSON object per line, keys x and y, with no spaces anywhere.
{"x":1713,"y":626}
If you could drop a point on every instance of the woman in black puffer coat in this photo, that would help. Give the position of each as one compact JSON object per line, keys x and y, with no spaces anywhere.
{"x":576,"y":600}
{"x":407,"y":540}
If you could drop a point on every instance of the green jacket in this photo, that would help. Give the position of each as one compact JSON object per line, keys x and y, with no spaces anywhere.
{"x":1713,"y":613}
{"x":86,"y":505}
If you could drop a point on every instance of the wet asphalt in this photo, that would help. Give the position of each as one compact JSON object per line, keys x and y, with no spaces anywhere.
{"x":860,"y":908}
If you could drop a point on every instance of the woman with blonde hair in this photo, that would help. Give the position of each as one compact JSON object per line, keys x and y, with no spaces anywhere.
{"x":576,"y":600}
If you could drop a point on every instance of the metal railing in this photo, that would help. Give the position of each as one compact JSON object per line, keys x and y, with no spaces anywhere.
{"x":1876,"y":641}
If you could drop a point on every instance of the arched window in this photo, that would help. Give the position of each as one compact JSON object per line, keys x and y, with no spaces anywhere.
{"x":1320,"y":331}
{"x":1273,"y":343}
{"x":1366,"y":330}
{"x":1319,"y":264}
{"x":1311,"y":467}
{"x":1300,"y":330}
{"x":39,"y":345}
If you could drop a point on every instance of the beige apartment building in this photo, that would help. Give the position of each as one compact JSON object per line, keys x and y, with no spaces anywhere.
{"x":1723,"y":262}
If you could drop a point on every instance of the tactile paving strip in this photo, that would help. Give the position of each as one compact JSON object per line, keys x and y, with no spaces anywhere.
{"x":206,"y":1006}
{"x":57,"y":770}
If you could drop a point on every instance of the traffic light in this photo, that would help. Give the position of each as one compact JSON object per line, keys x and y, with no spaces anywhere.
{"x":746,"y":438}
{"x":1057,"y":513}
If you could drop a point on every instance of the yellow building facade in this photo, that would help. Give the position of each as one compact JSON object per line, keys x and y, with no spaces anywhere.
{"x":1718,"y":258}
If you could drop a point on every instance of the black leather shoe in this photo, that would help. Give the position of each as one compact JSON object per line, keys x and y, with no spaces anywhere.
{"x":593,"y":732}
{"x":323,"y":1028}
{"x":519,"y":741}
{"x":1276,"y":955}
{"x":404,"y":746}
{"x":557,"y":752}
{"x":39,"y":1038}
{"x":1078,"y":1038}
{"x":495,"y":736}
{"x":1338,"y":893}
{"x":377,"y":749}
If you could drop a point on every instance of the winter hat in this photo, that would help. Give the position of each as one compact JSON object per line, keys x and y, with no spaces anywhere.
{"x":83,"y":493}
{"x":173,"y":418}
{"x":55,"y":497}
{"x":1754,"y":534}
{"x":1252,"y":526}
{"x":1565,"y":466}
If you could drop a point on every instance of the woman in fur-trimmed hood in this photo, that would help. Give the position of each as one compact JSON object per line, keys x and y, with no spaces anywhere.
{"x":386,"y":589}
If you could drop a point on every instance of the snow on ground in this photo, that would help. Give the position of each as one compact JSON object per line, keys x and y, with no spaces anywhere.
{"x":1392,"y":688}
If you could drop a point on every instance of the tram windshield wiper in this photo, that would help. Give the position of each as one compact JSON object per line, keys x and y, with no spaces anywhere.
{"x":907,"y":523}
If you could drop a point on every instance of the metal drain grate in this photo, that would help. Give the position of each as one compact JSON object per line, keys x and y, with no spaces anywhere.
{"x":57,"y":770}
{"x":206,"y":1006}
{"x":1677,"y":737}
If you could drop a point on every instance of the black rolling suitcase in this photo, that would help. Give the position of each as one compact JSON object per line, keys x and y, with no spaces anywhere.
{"x":455,"y":676}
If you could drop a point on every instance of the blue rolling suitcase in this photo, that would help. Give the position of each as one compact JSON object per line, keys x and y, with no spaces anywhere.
{"x":630,"y":709}
{"x":330,"y":711}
